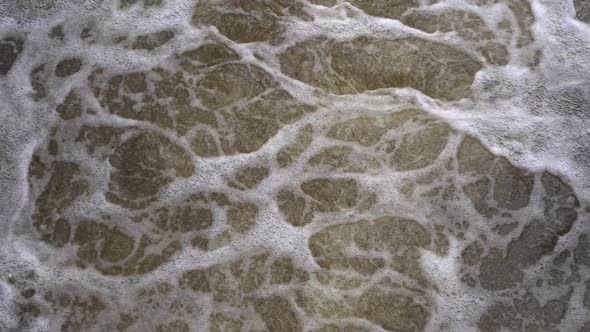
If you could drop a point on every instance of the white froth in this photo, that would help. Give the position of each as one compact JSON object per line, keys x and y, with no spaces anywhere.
{"x":538,"y":118}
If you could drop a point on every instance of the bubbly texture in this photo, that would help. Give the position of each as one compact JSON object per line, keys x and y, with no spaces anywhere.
{"x":295,"y":165}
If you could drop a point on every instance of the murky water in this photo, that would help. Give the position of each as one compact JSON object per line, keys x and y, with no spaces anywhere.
{"x":295,"y":165}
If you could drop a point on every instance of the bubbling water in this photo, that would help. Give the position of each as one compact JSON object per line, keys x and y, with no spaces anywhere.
{"x":294,"y":165}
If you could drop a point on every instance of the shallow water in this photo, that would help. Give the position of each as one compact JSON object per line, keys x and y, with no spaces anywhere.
{"x":295,"y":165}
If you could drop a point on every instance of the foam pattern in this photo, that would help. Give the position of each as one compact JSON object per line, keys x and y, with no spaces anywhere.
{"x":294,"y":165}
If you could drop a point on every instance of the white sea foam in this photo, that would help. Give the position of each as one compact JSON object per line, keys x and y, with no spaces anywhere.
{"x":537,"y":117}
